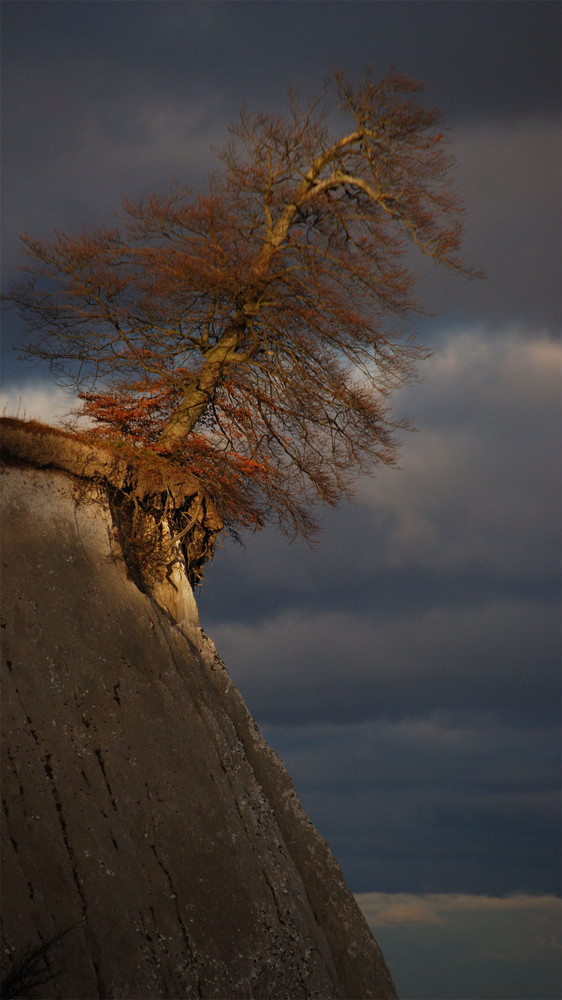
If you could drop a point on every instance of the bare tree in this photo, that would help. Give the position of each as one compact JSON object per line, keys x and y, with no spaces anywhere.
{"x":255,"y":332}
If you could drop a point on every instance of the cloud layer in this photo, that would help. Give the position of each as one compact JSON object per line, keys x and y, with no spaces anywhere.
{"x":457,"y":947}
{"x":458,"y":545}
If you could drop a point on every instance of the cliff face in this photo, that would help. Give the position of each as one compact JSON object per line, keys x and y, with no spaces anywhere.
{"x":143,"y":812}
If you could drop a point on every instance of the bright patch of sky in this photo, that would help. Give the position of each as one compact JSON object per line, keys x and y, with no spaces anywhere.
{"x":457,"y":947}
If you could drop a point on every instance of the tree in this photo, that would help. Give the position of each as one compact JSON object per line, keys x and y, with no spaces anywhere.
{"x":254,"y":333}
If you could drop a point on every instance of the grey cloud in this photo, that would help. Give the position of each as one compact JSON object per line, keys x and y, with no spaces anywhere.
{"x":439,"y":803}
{"x":505,"y":947}
{"x":479,"y":486}
{"x":68,"y":162}
{"x":339,"y":666}
{"x":429,"y":750}
{"x":389,"y":909}
{"x":473,"y":512}
{"x":261,"y":44}
{"x":508,"y":173}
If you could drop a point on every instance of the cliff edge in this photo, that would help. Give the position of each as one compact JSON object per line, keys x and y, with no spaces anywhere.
{"x":153,"y":844}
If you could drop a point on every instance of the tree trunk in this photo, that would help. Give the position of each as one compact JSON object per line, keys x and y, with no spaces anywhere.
{"x":200,"y":391}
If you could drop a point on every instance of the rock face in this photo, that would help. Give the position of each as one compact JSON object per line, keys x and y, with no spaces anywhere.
{"x":144,"y":816}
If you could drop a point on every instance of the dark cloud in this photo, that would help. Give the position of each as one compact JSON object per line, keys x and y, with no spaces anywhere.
{"x":508,"y":171}
{"x":433,"y":804}
{"x":331,"y":666}
{"x":443,"y":803}
{"x":470,"y":516}
{"x":499,"y":56}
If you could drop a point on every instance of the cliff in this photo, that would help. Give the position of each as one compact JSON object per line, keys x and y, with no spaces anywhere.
{"x":153,"y":844}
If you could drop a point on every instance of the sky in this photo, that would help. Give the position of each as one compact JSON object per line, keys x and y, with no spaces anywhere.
{"x":406,"y":668}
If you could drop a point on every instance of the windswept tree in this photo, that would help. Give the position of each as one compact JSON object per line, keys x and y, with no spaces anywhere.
{"x":254,"y":333}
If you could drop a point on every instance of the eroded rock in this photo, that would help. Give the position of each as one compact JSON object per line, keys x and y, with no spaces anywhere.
{"x":142,"y":810}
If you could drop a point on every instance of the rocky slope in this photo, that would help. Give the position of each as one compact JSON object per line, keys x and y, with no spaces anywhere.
{"x":145,"y":819}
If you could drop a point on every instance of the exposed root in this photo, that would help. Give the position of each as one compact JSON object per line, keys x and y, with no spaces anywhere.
{"x":157,"y":508}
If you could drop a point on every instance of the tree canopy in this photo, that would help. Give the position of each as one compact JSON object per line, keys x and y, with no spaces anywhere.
{"x":253,"y":333}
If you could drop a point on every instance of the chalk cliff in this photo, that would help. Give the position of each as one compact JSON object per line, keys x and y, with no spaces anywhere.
{"x":144,"y":817}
